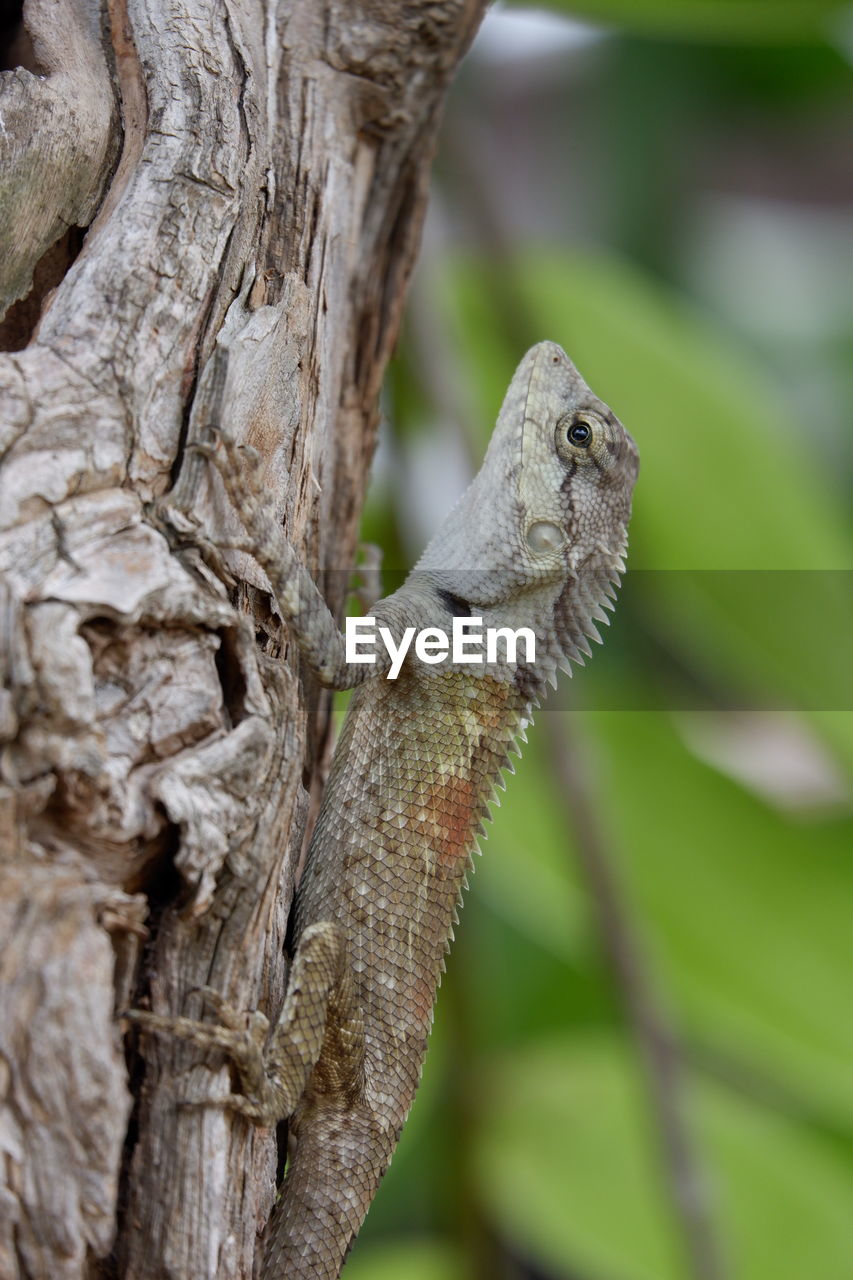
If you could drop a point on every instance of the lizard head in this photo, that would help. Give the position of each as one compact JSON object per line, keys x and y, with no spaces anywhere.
{"x":577,"y":467}
{"x":550,"y":505}
{"x":574,"y":484}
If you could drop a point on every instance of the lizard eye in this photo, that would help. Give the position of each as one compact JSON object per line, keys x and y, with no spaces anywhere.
{"x":578,"y":436}
{"x":579,"y":433}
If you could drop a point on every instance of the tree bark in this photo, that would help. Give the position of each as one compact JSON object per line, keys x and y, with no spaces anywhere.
{"x":179,"y":177}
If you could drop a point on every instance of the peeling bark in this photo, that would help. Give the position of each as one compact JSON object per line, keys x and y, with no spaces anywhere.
{"x":58,"y":137}
{"x":249,"y":177}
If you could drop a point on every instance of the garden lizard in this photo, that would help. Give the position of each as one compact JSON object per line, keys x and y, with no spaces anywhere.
{"x":537,"y":541}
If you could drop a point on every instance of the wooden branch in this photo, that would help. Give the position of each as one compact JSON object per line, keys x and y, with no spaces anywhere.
{"x":267,"y":198}
{"x":57,"y":139}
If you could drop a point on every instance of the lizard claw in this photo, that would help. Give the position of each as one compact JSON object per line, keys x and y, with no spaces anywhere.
{"x":232,"y":1018}
{"x":210,"y":996}
{"x":206,"y":448}
{"x":261,"y":1113}
{"x":240,"y":466}
{"x":243,"y":1043}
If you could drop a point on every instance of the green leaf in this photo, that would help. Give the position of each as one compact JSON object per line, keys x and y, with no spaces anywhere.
{"x":740,"y":21}
{"x":745,"y":912}
{"x":423,"y":1259}
{"x":568,"y":1170}
{"x":564,"y":1165}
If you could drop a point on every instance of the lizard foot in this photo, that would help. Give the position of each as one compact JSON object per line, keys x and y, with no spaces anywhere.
{"x":241,"y":469}
{"x":262,"y":1099}
{"x":368,"y":575}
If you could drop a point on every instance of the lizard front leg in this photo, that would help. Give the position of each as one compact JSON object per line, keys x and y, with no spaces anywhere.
{"x":296,"y":594}
{"x":319,"y":1020}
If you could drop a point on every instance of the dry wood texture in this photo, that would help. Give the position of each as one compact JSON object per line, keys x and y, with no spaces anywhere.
{"x":176,"y":177}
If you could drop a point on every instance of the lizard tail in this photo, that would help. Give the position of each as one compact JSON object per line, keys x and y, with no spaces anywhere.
{"x":337,"y":1167}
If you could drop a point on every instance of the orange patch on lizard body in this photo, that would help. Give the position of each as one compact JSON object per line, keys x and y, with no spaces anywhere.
{"x":453,"y":806}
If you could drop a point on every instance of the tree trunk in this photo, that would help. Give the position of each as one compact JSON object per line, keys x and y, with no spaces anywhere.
{"x":176,"y":177}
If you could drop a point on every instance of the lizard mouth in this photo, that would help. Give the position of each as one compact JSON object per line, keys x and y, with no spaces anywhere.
{"x":455,"y":605}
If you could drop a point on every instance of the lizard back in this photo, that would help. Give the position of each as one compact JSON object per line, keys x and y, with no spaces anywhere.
{"x":414,"y":771}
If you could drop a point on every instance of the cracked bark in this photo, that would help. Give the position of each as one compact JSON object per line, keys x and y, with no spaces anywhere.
{"x":252,"y":177}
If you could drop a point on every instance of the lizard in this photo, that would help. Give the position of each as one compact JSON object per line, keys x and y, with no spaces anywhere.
{"x":537,"y":540}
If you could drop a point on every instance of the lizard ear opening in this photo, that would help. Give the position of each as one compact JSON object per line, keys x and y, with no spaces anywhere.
{"x":543,"y":536}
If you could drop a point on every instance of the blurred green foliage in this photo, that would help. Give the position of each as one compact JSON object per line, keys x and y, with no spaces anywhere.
{"x":762,"y":21}
{"x":716,"y":726}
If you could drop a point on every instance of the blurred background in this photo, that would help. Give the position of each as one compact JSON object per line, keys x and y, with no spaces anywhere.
{"x":642,"y":1061}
